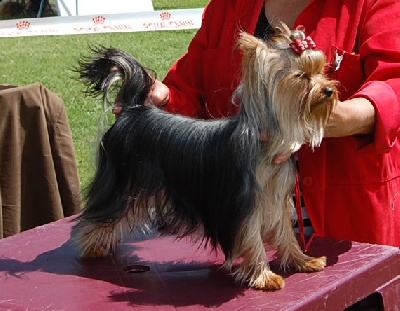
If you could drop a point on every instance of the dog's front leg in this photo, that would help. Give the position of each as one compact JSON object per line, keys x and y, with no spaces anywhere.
{"x":254,"y":269}
{"x":289,"y":250}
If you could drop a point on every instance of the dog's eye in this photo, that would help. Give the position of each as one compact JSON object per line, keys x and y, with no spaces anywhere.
{"x":300,"y":75}
{"x":328,"y":91}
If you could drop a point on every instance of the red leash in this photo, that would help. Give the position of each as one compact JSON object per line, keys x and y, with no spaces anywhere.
{"x":300,"y":221}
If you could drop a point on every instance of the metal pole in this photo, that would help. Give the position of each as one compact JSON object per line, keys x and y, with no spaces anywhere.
{"x":39,"y":13}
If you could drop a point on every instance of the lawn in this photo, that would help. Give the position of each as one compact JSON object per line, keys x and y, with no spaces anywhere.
{"x":50,"y":60}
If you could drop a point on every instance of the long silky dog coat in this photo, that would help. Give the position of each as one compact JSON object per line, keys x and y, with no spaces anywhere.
{"x":210,"y":179}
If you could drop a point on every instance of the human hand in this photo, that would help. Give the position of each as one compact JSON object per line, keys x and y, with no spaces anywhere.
{"x":280,"y":158}
{"x":351,"y":117}
{"x":158,"y":95}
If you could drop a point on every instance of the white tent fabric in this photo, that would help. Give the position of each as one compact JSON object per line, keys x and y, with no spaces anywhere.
{"x":91,"y":7}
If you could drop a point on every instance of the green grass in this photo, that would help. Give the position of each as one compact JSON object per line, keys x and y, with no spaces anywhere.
{"x":50,"y":60}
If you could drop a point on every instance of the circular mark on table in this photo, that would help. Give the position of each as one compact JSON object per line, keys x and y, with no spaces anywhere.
{"x":136,"y":269}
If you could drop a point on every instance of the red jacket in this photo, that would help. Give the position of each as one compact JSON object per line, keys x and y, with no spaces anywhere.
{"x":351,"y":185}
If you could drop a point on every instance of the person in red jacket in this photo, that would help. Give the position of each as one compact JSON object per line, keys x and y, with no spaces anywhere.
{"x":351,"y":184}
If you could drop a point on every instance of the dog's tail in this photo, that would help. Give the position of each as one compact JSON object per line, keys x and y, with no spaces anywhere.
{"x":108,"y":70}
{"x":99,"y":73}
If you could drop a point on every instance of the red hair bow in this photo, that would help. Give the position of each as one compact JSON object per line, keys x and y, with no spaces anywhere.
{"x":301,"y":42}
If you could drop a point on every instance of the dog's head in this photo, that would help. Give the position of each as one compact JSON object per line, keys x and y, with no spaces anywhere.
{"x":285,"y":81}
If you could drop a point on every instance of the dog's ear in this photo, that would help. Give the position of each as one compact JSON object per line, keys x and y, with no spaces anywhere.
{"x":250,"y":47}
{"x":248,"y":44}
{"x":282,"y":30}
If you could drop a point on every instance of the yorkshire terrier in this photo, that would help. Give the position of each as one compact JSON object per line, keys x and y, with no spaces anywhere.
{"x":210,"y":179}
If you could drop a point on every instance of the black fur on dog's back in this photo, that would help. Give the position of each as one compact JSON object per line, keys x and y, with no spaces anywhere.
{"x":191,"y":175}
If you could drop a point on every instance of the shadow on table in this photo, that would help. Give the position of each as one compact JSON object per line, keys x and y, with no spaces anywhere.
{"x":154,"y":282}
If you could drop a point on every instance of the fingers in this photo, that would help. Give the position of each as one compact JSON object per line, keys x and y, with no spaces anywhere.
{"x":117,"y":110}
{"x":117,"y":104}
{"x":158,"y":95}
{"x":280,"y":158}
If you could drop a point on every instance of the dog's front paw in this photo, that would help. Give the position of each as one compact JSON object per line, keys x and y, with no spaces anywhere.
{"x":267,"y":281}
{"x":259,"y":277}
{"x":312,"y":264}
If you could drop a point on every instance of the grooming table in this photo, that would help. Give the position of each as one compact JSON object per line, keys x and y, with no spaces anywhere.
{"x":40,"y":270}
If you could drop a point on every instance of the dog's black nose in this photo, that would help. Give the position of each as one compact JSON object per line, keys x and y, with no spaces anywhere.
{"x":328,"y":91}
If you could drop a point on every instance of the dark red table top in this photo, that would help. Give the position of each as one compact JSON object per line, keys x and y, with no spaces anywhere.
{"x":40,"y":270}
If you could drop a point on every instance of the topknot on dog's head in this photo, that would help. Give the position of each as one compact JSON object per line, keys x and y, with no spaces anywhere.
{"x":282,"y":74}
{"x":308,"y":59}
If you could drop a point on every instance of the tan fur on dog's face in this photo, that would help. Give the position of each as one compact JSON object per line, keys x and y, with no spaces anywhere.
{"x":276,"y":75}
{"x":315,"y":94}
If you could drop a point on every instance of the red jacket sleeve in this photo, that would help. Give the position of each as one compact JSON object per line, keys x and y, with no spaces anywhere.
{"x":379,"y":49}
{"x":184,"y":79}
{"x":201,"y":83}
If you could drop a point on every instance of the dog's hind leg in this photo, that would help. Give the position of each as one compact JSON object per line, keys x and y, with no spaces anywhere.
{"x":95,"y":240}
{"x":98,"y":239}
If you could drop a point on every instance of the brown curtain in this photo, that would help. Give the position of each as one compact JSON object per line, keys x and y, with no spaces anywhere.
{"x":39,"y":180}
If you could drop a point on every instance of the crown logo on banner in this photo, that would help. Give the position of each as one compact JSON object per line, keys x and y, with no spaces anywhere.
{"x":99,"y":20}
{"x":23,"y":25}
{"x":165,"y":16}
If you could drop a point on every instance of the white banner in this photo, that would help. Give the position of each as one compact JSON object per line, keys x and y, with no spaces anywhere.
{"x":129,"y":22}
